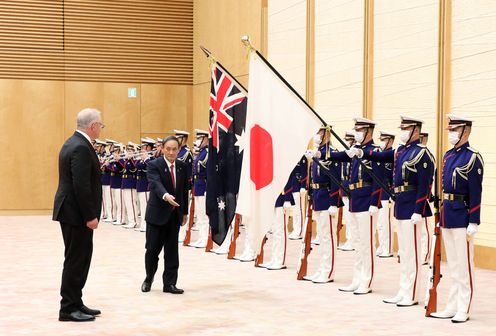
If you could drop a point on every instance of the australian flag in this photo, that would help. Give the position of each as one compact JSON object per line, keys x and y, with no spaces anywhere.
{"x":228,"y":99}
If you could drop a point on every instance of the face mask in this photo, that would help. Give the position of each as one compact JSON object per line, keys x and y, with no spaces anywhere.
{"x":359,"y":137}
{"x":453,"y":137}
{"x":197,"y":143}
{"x":382,"y":145}
{"x":404,"y":136}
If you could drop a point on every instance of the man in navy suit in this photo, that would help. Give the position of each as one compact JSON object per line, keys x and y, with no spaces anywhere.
{"x":166,"y":212}
{"x":78,"y":206}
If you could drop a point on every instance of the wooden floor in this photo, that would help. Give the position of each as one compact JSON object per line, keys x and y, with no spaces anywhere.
{"x":222,"y":297}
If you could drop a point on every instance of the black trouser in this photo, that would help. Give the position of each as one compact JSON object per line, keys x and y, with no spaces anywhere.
{"x":78,"y":242}
{"x":158,"y":237}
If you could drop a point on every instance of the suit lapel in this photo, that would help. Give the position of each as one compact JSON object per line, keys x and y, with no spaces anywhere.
{"x":167,"y":176}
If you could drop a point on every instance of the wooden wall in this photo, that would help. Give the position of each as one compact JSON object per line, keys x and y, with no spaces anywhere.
{"x":218,"y":26}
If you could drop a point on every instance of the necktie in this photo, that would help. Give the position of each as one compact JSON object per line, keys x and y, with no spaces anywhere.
{"x":172,"y":176}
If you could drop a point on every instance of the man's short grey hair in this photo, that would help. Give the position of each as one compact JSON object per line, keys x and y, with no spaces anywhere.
{"x":86,"y":116}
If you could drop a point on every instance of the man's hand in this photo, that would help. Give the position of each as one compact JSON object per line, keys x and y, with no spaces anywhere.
{"x":92,"y":224}
{"x":185,"y":219}
{"x":170,"y":199}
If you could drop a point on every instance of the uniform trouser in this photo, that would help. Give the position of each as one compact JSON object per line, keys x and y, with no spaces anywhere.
{"x":297,"y":214}
{"x":201,"y":218}
{"x":426,"y":239}
{"x":347,"y":219}
{"x":363,"y":272}
{"x":327,"y":226}
{"x":143,"y":201}
{"x":384,"y":228}
{"x":129,"y":197}
{"x":460,"y":258}
{"x":409,"y":249}
{"x":117,"y":204}
{"x":107,"y":202}
{"x":78,"y":242}
{"x":279,"y":237}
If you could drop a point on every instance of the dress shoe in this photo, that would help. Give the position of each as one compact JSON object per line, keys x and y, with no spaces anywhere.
{"x":346,"y":246}
{"x":76,"y":316}
{"x":129,"y":226}
{"x":89,"y":311}
{"x":460,"y":318}
{"x":406,"y":303}
{"x":276,"y":266}
{"x":265,"y":265}
{"x":315,"y":241}
{"x":146,"y":286}
{"x":322,"y":278}
{"x":172,"y":289}
{"x":385,"y":255}
{"x":246,"y":257}
{"x":362,"y":291}
{"x":393,"y":300}
{"x":443,"y":314}
{"x":221,"y":250}
{"x":294,"y":236}
{"x":349,"y":288}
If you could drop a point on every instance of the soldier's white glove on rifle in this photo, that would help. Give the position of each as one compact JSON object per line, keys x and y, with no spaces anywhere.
{"x":333,"y":210}
{"x":358,"y":152}
{"x":416,"y":218}
{"x":373,"y":209}
{"x":472,"y":229}
{"x":350,"y":152}
{"x":310,"y":153}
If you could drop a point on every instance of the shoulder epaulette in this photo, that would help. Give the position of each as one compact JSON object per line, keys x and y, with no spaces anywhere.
{"x":473,"y":150}
{"x":421,"y":145}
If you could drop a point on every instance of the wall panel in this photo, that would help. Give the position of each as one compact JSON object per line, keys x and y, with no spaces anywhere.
{"x":473,"y":83}
{"x":339,"y":61}
{"x":30,"y":138}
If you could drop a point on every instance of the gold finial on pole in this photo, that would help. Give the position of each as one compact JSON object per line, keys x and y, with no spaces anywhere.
{"x":245,"y":39}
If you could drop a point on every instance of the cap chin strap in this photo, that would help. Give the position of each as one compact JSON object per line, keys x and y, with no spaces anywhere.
{"x":411,"y":134}
{"x":461,"y":135}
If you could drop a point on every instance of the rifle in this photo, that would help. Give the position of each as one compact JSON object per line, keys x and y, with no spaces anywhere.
{"x":340,"y":220}
{"x":210,"y":242}
{"x":187,"y":238}
{"x":435,"y":258}
{"x":260,"y":257}
{"x":234,"y":237}
{"x":306,"y":244}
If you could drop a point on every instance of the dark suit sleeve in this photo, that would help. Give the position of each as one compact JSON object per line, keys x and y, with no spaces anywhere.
{"x":153,"y":176}
{"x":81,"y":181}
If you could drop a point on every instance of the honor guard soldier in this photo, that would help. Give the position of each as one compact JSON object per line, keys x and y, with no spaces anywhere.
{"x":426,"y":228}
{"x":365,"y":201}
{"x":384,"y":226}
{"x":158,"y":148}
{"x":129,"y":195}
{"x":326,"y":200}
{"x":349,"y":137}
{"x":142,"y":188}
{"x":463,"y":169}
{"x":200,"y":189}
{"x":116,"y":169}
{"x":186,"y":156}
{"x":106,"y":193}
{"x":279,"y":230}
{"x":413,"y":171}
{"x":100,"y":147}
{"x":298,"y":178}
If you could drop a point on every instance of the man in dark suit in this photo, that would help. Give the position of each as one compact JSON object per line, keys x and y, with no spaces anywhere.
{"x":166,"y":211}
{"x":77,"y":206}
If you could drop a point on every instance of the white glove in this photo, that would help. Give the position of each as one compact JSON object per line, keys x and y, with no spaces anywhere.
{"x":317,"y":140}
{"x":350,"y":152}
{"x":358,"y":152}
{"x":309,"y":154}
{"x":373,"y":209}
{"x":286,"y":205}
{"x":302,"y":190}
{"x":416,"y":218}
{"x":472,"y":229}
{"x":333,"y":210}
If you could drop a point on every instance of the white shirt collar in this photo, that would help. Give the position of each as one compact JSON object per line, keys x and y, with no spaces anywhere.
{"x":169,"y":163}
{"x":85,"y":135}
